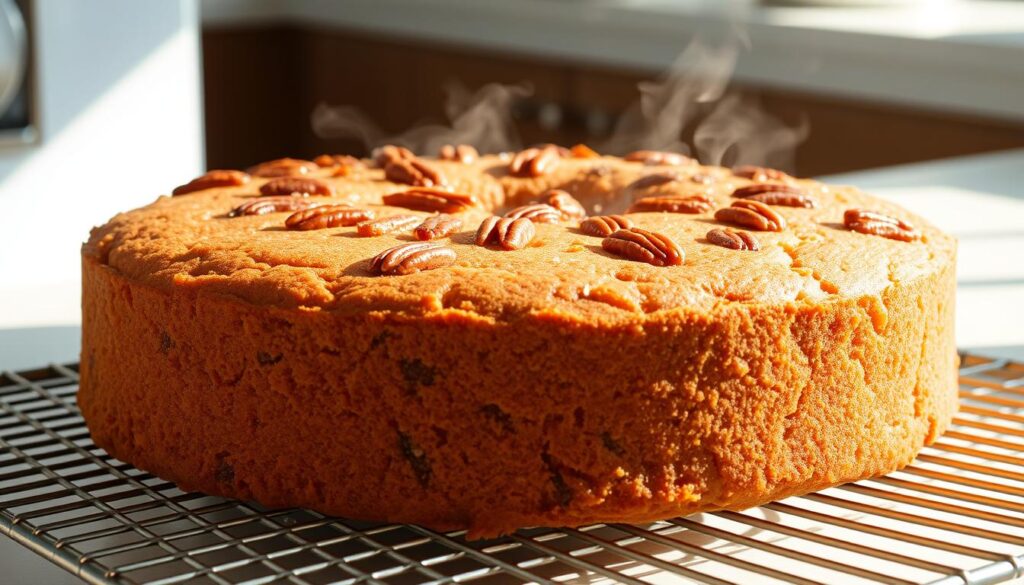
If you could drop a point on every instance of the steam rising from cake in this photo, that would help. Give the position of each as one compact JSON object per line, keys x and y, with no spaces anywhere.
{"x":692,"y":100}
{"x":482,"y":118}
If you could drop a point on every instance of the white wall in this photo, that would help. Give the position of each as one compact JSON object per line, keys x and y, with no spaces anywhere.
{"x":120,"y":111}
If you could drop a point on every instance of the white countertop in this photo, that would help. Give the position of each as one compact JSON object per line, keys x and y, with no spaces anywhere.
{"x":962,"y":56}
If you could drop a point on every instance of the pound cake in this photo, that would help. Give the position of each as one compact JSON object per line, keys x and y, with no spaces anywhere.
{"x":549,"y":337}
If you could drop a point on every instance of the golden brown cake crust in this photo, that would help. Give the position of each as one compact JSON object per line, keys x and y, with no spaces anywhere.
{"x":552,"y":385}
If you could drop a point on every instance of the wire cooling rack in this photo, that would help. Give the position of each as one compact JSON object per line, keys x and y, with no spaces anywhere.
{"x":955,"y":516}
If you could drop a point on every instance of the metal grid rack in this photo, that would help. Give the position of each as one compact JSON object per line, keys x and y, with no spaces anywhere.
{"x":955,"y":516}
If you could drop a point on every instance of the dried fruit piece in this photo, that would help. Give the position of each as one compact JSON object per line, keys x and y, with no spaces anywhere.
{"x":426,"y":199}
{"x":390,"y":153}
{"x":386,"y":225}
{"x":784,"y":199}
{"x":752,"y":214}
{"x":283,"y":167}
{"x":672,"y":204}
{"x":537,"y":213}
{"x":879,"y":224}
{"x":211,"y":179}
{"x":510,"y":234}
{"x":334,"y":160}
{"x":733,"y":240}
{"x":327,"y":216}
{"x":644,"y":246}
{"x":760,"y":188}
{"x":437,"y":226}
{"x":658,"y":158}
{"x":583,"y":151}
{"x":570,"y":208}
{"x":756,"y":173}
{"x":265,"y":205}
{"x":413,"y":171}
{"x":412,"y":257}
{"x":301,"y":186}
{"x":535,"y":162}
{"x":463,"y":153}
{"x":605,"y":225}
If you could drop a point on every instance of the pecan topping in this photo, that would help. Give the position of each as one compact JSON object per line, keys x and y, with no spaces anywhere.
{"x":301,"y":186}
{"x":653,"y":180}
{"x":733,"y":240}
{"x":426,"y":199}
{"x":644,"y":246}
{"x":437,"y":226}
{"x":756,"y":173}
{"x":879,"y":224}
{"x":510,"y":234}
{"x":672,"y":204}
{"x":386,"y":225}
{"x":389,"y":153}
{"x":658,"y":158}
{"x":412,"y":257}
{"x":570,"y":208}
{"x":583,"y":151}
{"x":605,"y":225}
{"x":462,"y":153}
{"x":265,"y":205}
{"x":760,"y":188}
{"x":784,"y":199}
{"x":752,"y":214}
{"x":534,"y":162}
{"x":413,"y":171}
{"x":537,"y":213}
{"x":283,"y":167}
{"x":211,"y":179}
{"x":337,"y":160}
{"x":327,"y":216}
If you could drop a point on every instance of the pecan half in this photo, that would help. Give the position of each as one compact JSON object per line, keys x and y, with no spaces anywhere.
{"x":389,"y":153}
{"x":426,"y":199}
{"x":537,"y":213}
{"x":265,"y":205}
{"x":756,"y":173}
{"x":463,"y":153}
{"x":211,"y":179}
{"x":412,"y":257}
{"x":337,"y":160}
{"x":879,"y":224}
{"x":583,"y":151}
{"x":570,"y":208}
{"x":283,"y":167}
{"x":301,"y":186}
{"x":605,"y":225}
{"x":327,"y":216}
{"x":653,"y":180}
{"x":510,"y":234}
{"x":752,"y":214}
{"x":644,"y":246}
{"x":761,"y":188}
{"x":672,"y":204}
{"x":658,"y":158}
{"x":535,"y":162}
{"x":413,"y":171}
{"x":437,"y":226}
{"x":733,"y":240}
{"x":386,"y":225}
{"x":784,"y":199}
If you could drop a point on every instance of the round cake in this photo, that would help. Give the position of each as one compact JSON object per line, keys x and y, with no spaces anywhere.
{"x":549,"y":337}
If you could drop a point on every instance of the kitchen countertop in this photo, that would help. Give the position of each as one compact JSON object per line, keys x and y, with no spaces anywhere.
{"x":980,"y":199}
{"x":963,"y":56}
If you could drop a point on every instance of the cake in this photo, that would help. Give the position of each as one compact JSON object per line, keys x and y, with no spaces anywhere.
{"x":543,"y":338}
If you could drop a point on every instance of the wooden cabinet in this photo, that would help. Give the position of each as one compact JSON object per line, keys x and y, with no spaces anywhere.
{"x":263,"y":84}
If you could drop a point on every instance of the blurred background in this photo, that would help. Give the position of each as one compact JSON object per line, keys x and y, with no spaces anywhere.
{"x":107,"y":104}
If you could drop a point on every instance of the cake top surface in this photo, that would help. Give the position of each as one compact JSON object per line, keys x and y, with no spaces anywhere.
{"x":192,"y":241}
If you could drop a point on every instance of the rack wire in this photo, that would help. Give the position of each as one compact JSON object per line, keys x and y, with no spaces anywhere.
{"x":955,"y":516}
